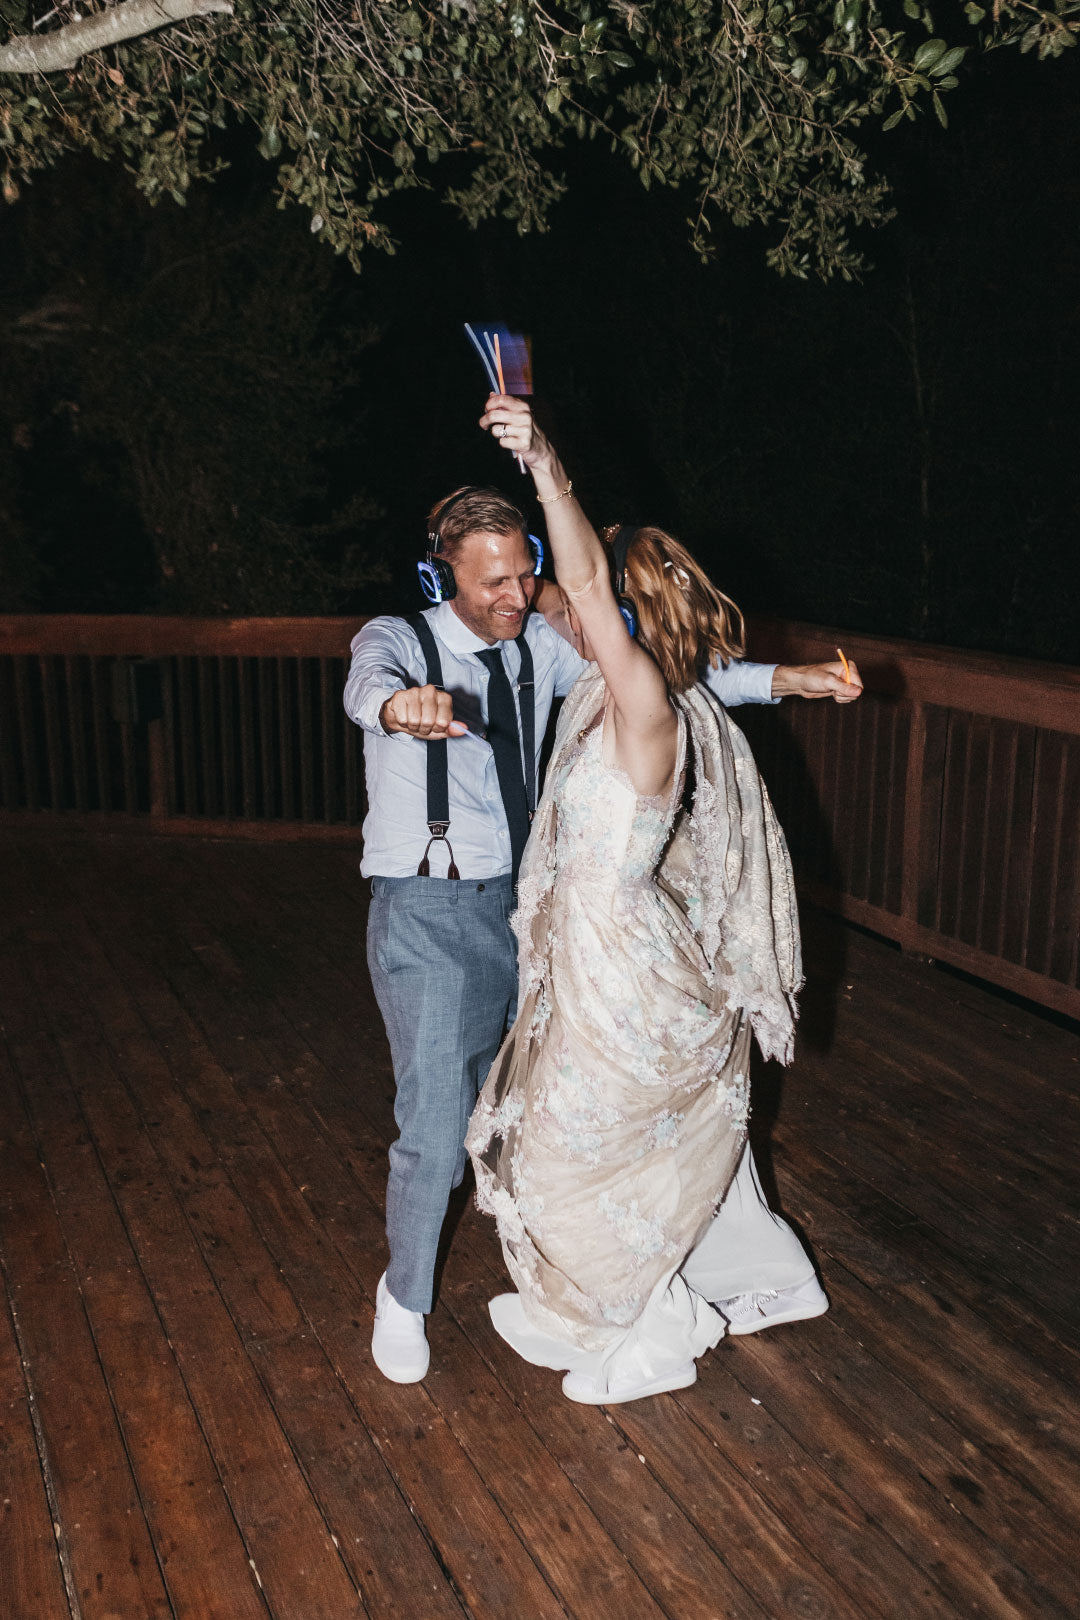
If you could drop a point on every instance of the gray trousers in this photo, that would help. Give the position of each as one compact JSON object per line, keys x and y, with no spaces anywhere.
{"x":443,"y":964}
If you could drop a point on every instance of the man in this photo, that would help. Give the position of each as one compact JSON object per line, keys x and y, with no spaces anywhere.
{"x":440,"y":950}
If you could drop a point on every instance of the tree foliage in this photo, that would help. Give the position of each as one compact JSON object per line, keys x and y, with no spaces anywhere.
{"x":758,"y":110}
{"x":195,"y":376}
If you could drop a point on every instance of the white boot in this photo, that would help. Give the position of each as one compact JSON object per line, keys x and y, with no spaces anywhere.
{"x":399,"y":1344}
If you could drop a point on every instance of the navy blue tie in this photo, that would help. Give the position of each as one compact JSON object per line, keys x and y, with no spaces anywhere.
{"x":505,"y":740}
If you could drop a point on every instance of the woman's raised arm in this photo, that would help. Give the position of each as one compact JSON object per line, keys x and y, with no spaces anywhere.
{"x":645,"y":723}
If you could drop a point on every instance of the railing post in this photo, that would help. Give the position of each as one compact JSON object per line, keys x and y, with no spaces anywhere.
{"x":913,"y":818}
{"x":157,"y":768}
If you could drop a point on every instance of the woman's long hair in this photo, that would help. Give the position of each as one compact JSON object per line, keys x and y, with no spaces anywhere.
{"x":683,"y":620}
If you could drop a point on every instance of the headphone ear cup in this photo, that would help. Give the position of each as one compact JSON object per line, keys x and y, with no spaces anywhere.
{"x":626,"y":608}
{"x":537,"y":546}
{"x":437,"y":580}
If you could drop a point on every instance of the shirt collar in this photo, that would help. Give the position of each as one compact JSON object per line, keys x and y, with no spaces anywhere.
{"x":455,"y":634}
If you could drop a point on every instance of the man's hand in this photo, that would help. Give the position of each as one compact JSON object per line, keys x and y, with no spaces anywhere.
{"x":817,"y":681}
{"x":422,"y":711}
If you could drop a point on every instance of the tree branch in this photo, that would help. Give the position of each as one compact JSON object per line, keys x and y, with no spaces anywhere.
{"x":63,"y":47}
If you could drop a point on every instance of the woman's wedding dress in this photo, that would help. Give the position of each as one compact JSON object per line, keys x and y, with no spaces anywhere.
{"x":655,"y":934}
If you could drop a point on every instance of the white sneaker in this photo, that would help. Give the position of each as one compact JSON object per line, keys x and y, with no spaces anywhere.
{"x":399,"y":1344}
{"x":749,"y":1313}
{"x":591,"y":1392}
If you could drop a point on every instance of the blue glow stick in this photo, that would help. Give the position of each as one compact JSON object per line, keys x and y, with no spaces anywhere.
{"x":489,"y":365}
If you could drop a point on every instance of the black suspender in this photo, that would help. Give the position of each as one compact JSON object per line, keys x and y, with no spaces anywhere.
{"x":438,"y":786}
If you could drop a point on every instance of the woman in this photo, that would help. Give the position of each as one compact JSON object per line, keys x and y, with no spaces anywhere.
{"x":656,"y":927}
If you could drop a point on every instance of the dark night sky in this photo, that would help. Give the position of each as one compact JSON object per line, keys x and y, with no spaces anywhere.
{"x":895,"y":456}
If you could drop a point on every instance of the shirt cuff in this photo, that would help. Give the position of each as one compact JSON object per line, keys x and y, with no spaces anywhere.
{"x":759,"y":684}
{"x":369,"y":709}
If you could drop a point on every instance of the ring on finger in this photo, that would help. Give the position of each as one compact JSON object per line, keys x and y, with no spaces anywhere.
{"x":498,"y":430}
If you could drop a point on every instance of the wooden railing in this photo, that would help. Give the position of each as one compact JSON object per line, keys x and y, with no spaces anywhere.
{"x":204,"y":725}
{"x":941,"y":810}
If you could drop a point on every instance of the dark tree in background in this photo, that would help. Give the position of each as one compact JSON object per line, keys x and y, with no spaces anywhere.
{"x":178,"y":384}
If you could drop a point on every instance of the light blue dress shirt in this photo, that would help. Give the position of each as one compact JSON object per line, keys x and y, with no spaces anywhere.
{"x":386,"y":658}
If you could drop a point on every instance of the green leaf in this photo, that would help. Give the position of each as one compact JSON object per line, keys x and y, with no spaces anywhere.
{"x":927,"y":54}
{"x":553,"y":99}
{"x":892,"y":121}
{"x":939,"y":108}
{"x":950,"y":60}
{"x":620,"y":59}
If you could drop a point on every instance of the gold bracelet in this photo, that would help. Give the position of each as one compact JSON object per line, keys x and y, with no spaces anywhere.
{"x":546,"y":500}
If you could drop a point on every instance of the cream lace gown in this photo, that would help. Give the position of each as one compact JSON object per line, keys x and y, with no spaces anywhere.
{"x":613,"y":1119}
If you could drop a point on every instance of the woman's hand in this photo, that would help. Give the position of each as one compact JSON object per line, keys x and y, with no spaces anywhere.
{"x":510,"y":420}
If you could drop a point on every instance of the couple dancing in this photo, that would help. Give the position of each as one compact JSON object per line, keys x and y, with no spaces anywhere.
{"x":656,"y":931}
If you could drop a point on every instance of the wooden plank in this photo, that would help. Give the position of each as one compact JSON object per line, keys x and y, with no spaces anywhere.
{"x":76,"y":730}
{"x":163,"y":635}
{"x":54,"y":746}
{"x":101,"y":1527}
{"x":1001,"y":781}
{"x":226,"y":692}
{"x":1065,"y":932}
{"x":864,"y":806}
{"x":330,"y":747}
{"x":248,"y":727}
{"x":99,"y":704}
{"x":185,"y":708}
{"x":31,"y":1577}
{"x":10,"y":786}
{"x":209,"y":740}
{"x":286,"y":731}
{"x":1048,"y":824}
{"x":24,"y":720}
{"x":1018,"y":877}
{"x":972,"y":876}
{"x":264,"y":687}
{"x":305,"y":759}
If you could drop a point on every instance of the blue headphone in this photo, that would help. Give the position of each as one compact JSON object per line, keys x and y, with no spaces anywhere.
{"x":436,"y":575}
{"x":621,"y":544}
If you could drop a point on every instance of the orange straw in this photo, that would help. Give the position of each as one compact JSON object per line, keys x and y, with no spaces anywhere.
{"x":847,"y":666}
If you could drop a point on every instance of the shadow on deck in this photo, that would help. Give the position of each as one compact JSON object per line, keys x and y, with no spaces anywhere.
{"x":195,"y":1101}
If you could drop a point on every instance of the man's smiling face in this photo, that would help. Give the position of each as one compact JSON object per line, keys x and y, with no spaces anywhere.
{"x":495,"y":584}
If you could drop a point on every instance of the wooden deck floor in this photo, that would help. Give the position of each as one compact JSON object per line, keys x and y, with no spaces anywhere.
{"x":194,"y":1109}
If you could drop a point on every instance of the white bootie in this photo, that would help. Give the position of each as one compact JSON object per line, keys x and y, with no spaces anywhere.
{"x":577,"y":1386}
{"x":399,"y":1344}
{"x":749,"y":1313}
